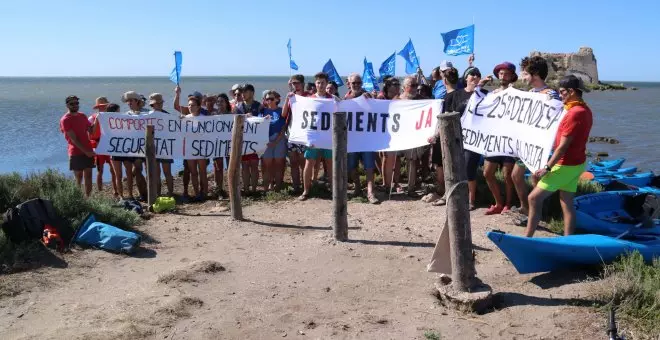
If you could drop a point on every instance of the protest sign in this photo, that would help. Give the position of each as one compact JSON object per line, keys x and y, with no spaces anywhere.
{"x":373,"y":124}
{"x":181,"y":138}
{"x":512,"y":123}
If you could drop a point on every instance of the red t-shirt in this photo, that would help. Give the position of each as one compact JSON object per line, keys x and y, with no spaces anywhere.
{"x":576,"y":123}
{"x":79,"y":124}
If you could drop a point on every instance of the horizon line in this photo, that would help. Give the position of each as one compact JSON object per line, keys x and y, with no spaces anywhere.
{"x":238,"y":76}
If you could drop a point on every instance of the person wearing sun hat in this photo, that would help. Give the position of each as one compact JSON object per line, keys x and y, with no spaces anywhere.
{"x":506,"y":73}
{"x":562,"y":172}
{"x":101,"y":105}
{"x":156,"y":102}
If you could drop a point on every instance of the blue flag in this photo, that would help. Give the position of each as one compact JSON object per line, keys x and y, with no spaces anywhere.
{"x":369,"y":82}
{"x":175,"y":75}
{"x":409,"y":55}
{"x":292,"y":64}
{"x":330,"y":69}
{"x":387,"y":68}
{"x":460,"y":41}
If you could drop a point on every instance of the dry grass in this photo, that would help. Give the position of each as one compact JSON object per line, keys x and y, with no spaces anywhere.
{"x":633,"y":288}
{"x":192,"y":273}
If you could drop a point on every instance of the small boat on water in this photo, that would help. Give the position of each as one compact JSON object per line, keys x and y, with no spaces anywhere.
{"x":613,"y":164}
{"x":543,"y":254}
{"x":622,"y":171}
{"x":639,"y":179}
{"x":653,"y":186}
{"x":614,"y":212}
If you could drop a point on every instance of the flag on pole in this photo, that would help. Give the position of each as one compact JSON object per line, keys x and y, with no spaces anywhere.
{"x":175,"y":75}
{"x":292,"y":64}
{"x":387,"y":68}
{"x":369,"y":80}
{"x":330,"y":69}
{"x":409,"y":55}
{"x":459,"y":41}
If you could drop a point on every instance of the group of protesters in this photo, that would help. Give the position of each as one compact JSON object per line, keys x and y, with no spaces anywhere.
{"x":560,"y":173}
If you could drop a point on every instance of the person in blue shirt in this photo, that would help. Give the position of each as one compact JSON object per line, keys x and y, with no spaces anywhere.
{"x":273,"y":159}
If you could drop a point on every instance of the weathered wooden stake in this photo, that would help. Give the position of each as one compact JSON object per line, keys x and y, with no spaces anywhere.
{"x":339,"y":176}
{"x":458,"y":212}
{"x":233,"y":179}
{"x":150,"y":154}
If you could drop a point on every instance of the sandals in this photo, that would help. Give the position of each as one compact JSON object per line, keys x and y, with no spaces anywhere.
{"x":303,"y":197}
{"x":372,"y":199}
{"x":494,"y":210}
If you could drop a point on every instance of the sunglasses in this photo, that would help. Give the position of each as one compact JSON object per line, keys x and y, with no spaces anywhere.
{"x":295,"y":82}
{"x":270,"y":99}
{"x":73,"y":103}
{"x":356,"y":83}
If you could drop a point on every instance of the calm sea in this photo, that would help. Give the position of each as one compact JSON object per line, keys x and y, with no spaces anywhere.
{"x":30,"y":109}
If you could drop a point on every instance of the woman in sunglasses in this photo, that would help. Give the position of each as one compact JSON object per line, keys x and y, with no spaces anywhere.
{"x":273,"y":159}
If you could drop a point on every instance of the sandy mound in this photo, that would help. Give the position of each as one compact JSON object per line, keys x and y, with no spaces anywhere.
{"x":191,"y":274}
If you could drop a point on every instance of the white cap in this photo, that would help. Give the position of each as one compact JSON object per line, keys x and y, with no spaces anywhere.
{"x":445,"y":65}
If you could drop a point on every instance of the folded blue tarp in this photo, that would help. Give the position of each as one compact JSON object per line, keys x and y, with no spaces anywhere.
{"x":104,"y":236}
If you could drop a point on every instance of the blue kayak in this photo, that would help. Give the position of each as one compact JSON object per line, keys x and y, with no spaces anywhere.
{"x":612,"y":213}
{"x":544,"y":254}
{"x":639,"y":179}
{"x":653,"y":187}
{"x":622,"y":171}
{"x":613,"y":164}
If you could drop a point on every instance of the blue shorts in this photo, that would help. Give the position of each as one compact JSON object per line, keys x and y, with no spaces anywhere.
{"x":368,"y":160}
{"x":276,"y":151}
{"x":314,"y":153}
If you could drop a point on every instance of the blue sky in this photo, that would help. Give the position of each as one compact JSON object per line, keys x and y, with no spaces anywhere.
{"x":137,"y":38}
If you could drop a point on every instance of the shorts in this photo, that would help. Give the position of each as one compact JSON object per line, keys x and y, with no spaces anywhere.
{"x":250,"y":157}
{"x":472,"y":160}
{"x":80,"y":162}
{"x":368,"y":160}
{"x":276,"y":151}
{"x":296,"y":148}
{"x":436,"y":156}
{"x":99,"y":160}
{"x":314,"y":153}
{"x":521,"y":164}
{"x":164,"y":160}
{"x":501,"y":159}
{"x":124,"y":159}
{"x":562,"y":177}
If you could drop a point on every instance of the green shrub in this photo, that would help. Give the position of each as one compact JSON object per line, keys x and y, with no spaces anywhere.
{"x":68,"y":199}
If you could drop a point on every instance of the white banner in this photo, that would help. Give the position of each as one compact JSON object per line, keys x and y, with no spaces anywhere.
{"x":512,"y":123}
{"x":373,"y":124}
{"x":181,"y":138}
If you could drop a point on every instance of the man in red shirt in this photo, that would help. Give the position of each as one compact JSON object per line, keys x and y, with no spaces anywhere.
{"x":75,"y":127}
{"x":567,"y":163}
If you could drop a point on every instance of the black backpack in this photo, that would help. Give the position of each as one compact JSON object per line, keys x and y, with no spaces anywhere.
{"x":26,"y":221}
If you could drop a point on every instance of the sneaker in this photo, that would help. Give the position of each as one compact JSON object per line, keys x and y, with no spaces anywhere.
{"x":494,"y":209}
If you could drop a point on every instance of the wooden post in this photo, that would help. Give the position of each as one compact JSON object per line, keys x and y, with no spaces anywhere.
{"x":233,"y":173}
{"x":339,"y":176}
{"x":150,"y":154}
{"x":458,"y":212}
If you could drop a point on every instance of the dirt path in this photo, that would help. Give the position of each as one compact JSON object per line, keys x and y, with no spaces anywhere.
{"x":281,"y":275}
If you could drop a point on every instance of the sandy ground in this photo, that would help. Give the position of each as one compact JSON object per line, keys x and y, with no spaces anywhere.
{"x":280,"y":275}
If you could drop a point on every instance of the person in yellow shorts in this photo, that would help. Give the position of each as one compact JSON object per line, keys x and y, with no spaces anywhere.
{"x":563,"y":170}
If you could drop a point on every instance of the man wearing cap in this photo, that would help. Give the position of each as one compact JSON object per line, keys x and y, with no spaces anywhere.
{"x":250,"y":162}
{"x":296,"y":151}
{"x":567,"y":163}
{"x":156,"y":102}
{"x":94,"y":137}
{"x":75,"y":127}
{"x":439,"y":89}
{"x":506,"y":73}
